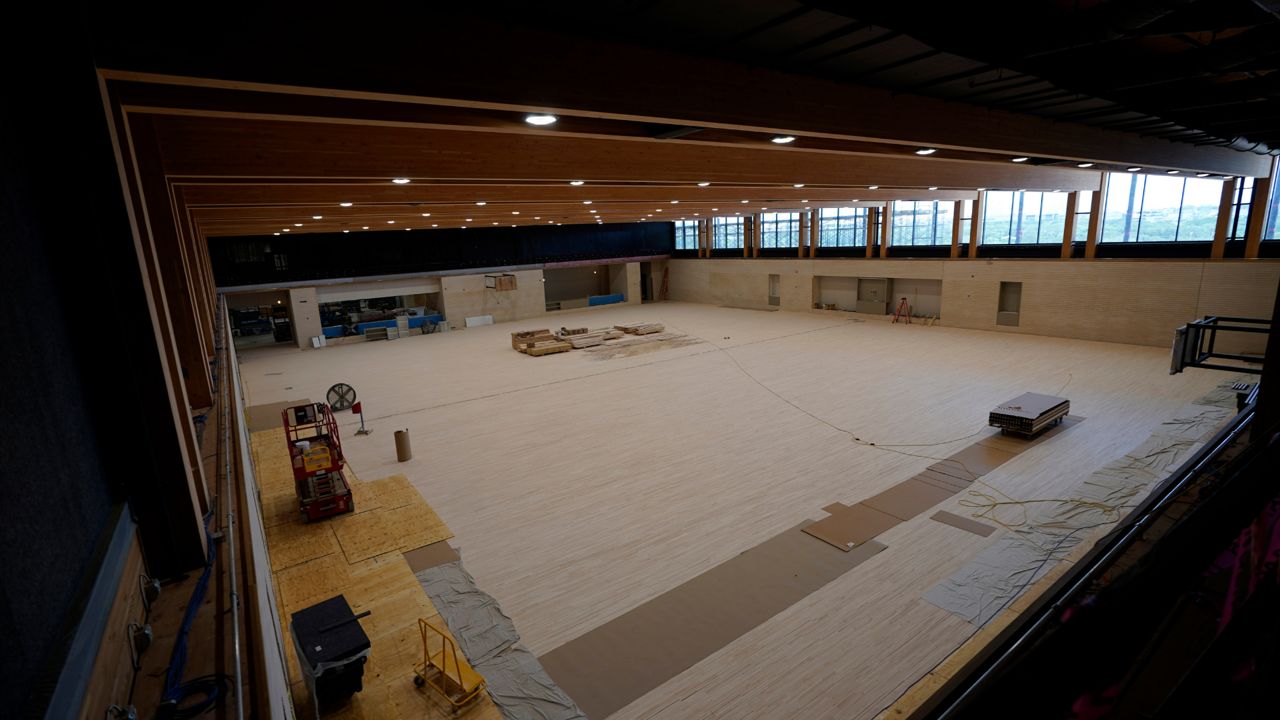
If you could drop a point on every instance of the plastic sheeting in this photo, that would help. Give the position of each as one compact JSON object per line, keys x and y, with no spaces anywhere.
{"x":986,"y":585}
{"x":519,"y":686}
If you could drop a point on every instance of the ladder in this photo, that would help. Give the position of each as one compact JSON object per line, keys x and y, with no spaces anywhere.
{"x":903,"y":311}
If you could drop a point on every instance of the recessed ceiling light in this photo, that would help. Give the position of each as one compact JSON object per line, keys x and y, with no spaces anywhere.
{"x":495,"y":223}
{"x":1020,"y":159}
{"x":537,"y":217}
{"x":1133,"y":169}
{"x":935,"y":187}
{"x":1084,"y":165}
{"x":366,"y":227}
{"x":401,"y":181}
{"x":1202,"y":174}
{"x":746,"y":201}
{"x":1056,"y":190}
{"x":854,"y":200}
{"x":1170,"y":172}
{"x":407,"y":229}
{"x":658,"y":210}
{"x":586,"y":202}
{"x":804,"y":201}
{"x":703,"y":184}
{"x":649,"y":215}
{"x":481,"y":202}
{"x":434,"y":225}
{"x":980,"y":189}
{"x":783,"y":139}
{"x":551,"y":222}
{"x":1022,"y":189}
{"x":715,"y":209}
{"x":593,"y":212}
{"x":764,"y":208}
{"x":346,"y":231}
{"x":426,"y":214}
{"x":468,"y":219}
{"x":286,"y":229}
{"x":464,"y":227}
{"x":675,"y":202}
{"x":317,"y":217}
{"x":695,"y":215}
{"x":577,"y":182}
{"x":345,"y":204}
{"x":297,"y":224}
{"x":515,"y":212}
{"x":873,"y":187}
{"x":926,"y":151}
{"x":797,"y":185}
{"x":513,"y":224}
{"x":275,"y":233}
{"x":540,"y":120}
{"x":391,"y":222}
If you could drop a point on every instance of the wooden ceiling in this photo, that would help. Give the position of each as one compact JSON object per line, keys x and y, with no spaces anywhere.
{"x":240,"y":157}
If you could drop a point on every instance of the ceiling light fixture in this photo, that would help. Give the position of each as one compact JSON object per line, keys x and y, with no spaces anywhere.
{"x":426,"y":214}
{"x":286,"y":229}
{"x":317,"y":217}
{"x":401,"y":181}
{"x":275,"y":233}
{"x":391,"y":222}
{"x":434,"y":225}
{"x":577,"y":182}
{"x":703,"y":184}
{"x":675,"y":202}
{"x":926,"y":151}
{"x":537,"y":217}
{"x":782,"y":139}
{"x":873,"y":187}
{"x":804,"y":201}
{"x":797,"y":185}
{"x":515,"y":212}
{"x":1202,"y":174}
{"x":297,"y":224}
{"x":1084,"y":165}
{"x":481,"y":202}
{"x":1170,"y":172}
{"x":586,"y":202}
{"x":1133,"y":169}
{"x":344,"y":204}
{"x":541,"y":119}
{"x":1020,"y":159}
{"x":366,"y":227}
{"x":346,"y":231}
{"x":935,"y":187}
{"x":468,"y":219}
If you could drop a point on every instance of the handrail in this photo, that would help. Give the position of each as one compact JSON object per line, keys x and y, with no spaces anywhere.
{"x":1023,"y":630}
{"x":228,"y":527}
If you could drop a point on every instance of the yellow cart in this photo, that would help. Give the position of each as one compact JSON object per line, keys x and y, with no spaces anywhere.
{"x":445,"y":670}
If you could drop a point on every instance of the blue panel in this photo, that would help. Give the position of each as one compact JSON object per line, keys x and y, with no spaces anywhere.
{"x":332,"y":331}
{"x":606,"y":299}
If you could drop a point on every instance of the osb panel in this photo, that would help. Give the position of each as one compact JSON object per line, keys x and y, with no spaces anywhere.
{"x":293,"y":543}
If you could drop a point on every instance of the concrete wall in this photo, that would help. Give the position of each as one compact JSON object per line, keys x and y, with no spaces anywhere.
{"x":576,"y":283}
{"x":1136,"y":301}
{"x":304,"y":312}
{"x":237,"y":301}
{"x":465,"y":296}
{"x":377,"y":289}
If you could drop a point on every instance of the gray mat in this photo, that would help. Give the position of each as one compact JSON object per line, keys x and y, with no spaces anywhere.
{"x":514,"y":678}
{"x":611,"y":666}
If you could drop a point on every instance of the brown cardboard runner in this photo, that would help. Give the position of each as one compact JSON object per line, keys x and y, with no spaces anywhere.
{"x":908,"y":499}
{"x":963,"y":523}
{"x":611,"y":666}
{"x":851,"y":526}
{"x":429,"y":556}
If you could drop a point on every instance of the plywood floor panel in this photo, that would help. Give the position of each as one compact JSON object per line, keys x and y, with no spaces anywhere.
{"x":581,"y":488}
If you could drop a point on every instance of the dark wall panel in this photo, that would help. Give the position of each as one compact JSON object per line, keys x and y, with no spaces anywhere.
{"x":256,"y":260}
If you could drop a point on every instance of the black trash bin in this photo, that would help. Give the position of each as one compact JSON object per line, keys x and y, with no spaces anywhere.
{"x":332,"y":649}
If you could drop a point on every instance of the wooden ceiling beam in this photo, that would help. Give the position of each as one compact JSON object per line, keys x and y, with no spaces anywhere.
{"x":220,"y":147}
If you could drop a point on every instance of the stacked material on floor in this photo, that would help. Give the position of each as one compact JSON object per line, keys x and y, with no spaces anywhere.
{"x":572,"y":331}
{"x":538,"y":342}
{"x":641,"y":328}
{"x":1029,"y":414}
{"x":590,"y":338}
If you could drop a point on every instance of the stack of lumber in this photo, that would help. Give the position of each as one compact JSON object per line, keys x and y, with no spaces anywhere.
{"x":572,"y":331}
{"x":547,"y":347}
{"x":641,"y":328}
{"x":524,"y":338}
{"x":591,"y":338}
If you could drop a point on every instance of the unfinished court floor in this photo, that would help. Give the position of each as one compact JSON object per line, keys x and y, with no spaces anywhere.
{"x":580,"y":486}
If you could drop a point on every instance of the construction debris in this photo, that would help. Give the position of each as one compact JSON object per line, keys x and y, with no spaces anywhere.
{"x":547,"y":348}
{"x":521,"y":340}
{"x":641,"y":328}
{"x":590,"y":338}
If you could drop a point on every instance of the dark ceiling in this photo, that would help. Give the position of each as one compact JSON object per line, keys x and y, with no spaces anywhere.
{"x":1194,"y":71}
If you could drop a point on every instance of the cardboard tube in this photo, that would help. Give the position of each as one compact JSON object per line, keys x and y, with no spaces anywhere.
{"x":403,"y":452}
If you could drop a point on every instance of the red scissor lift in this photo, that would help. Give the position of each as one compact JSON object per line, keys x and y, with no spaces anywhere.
{"x":316,"y":453}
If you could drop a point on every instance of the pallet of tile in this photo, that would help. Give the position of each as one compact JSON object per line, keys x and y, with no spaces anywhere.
{"x":641,"y":328}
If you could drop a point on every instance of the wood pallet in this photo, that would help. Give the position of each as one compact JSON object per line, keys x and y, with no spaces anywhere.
{"x":641,"y":328}
{"x":592,"y":338}
{"x":547,"y":348}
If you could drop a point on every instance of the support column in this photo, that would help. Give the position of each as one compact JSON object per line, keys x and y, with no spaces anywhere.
{"x":975,"y":224}
{"x":873,"y":228}
{"x":1095,"y":220}
{"x":886,"y":229}
{"x":1225,"y":205}
{"x":814,"y":230}
{"x":803,"y":241}
{"x":704,"y":239}
{"x":755,"y":235}
{"x":746,"y":237}
{"x":955,"y":229}
{"x":1258,"y":207}
{"x":1069,"y":229}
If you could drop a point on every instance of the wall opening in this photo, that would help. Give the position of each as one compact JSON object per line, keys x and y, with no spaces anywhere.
{"x":1010,"y":304}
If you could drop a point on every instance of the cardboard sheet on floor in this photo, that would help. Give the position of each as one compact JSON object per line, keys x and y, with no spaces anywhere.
{"x":979,"y":459}
{"x":964,"y":523}
{"x":609,"y":667}
{"x":851,"y":526}
{"x":943,"y":481}
{"x":908,"y":499}
{"x":429,"y":556}
{"x":267,"y":417}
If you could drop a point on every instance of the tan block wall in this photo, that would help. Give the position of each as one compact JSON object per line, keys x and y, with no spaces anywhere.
{"x":1139,"y":302}
{"x":304,"y":311}
{"x":465,"y":296}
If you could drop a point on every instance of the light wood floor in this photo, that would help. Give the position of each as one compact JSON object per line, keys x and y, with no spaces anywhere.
{"x":579,"y":488}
